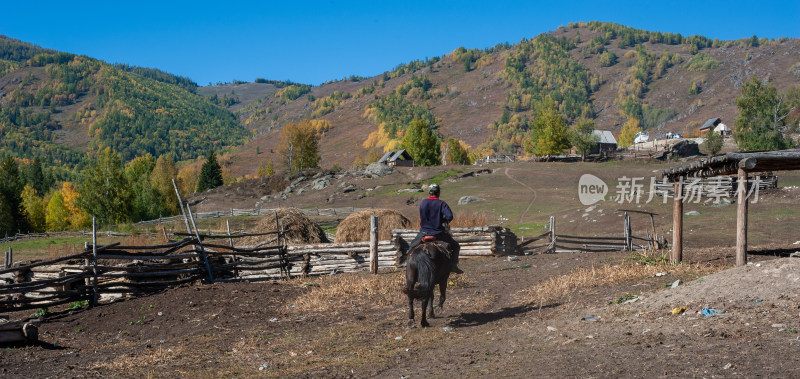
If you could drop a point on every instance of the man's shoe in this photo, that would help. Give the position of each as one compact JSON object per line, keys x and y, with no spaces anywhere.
{"x":454,"y":269}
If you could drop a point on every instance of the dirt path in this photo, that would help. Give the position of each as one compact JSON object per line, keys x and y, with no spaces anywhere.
{"x":522,"y":216}
{"x":486,"y":328}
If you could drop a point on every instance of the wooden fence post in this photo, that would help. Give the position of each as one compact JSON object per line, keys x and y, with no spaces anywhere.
{"x":741,"y":219}
{"x":628,"y":239}
{"x":9,"y":257}
{"x":677,"y":224}
{"x":86,"y":281}
{"x":230,"y":241}
{"x":200,"y":243}
{"x":180,"y":202}
{"x":655,"y":237}
{"x":552,"y":228}
{"x":373,"y":244}
{"x":94,"y":263}
{"x":283,"y":261}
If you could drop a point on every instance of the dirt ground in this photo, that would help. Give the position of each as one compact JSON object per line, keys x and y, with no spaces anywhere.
{"x":488,"y":326}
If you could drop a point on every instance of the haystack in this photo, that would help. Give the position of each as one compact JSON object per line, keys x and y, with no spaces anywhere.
{"x":299,"y":228}
{"x":355,"y":227}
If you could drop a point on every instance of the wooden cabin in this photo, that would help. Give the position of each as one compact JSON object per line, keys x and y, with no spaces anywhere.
{"x":400,"y":158}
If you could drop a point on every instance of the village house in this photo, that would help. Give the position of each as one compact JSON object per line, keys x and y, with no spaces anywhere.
{"x":400,"y":158}
{"x":715,"y":124}
{"x":605,"y":142}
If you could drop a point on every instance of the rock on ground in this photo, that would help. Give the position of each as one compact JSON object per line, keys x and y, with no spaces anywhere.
{"x":469,"y":199}
{"x":376,"y":170}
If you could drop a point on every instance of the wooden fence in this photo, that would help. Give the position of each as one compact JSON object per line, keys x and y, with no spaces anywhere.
{"x":334,"y":212}
{"x":551,"y":242}
{"x":101,"y":274}
{"x":88,"y":233}
{"x":474,"y":242}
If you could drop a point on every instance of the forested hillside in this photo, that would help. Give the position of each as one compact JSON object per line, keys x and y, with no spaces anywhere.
{"x":79,"y":136}
{"x":487,"y":98}
{"x":58,"y":106}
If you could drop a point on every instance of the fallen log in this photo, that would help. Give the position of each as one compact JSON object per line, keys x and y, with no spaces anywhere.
{"x":12,"y":332}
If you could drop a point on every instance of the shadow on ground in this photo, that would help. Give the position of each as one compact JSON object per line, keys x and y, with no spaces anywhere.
{"x":482,"y":318}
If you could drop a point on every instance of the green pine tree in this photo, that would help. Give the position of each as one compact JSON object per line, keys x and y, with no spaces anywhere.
{"x":210,"y":174}
{"x":11,"y":185}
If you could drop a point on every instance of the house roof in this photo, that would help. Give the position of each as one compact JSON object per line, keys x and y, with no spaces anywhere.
{"x":395,"y":155}
{"x":604,"y":136}
{"x":711,"y":123}
{"x":385,"y":157}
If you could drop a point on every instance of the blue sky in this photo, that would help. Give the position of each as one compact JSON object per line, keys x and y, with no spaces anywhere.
{"x":315,"y":41}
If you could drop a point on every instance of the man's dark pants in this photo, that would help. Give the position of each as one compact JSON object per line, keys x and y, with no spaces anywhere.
{"x":445,"y":237}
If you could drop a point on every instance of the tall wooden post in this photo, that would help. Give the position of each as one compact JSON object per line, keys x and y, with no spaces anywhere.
{"x":94,"y":262}
{"x":626,"y":232}
{"x":200,"y":244}
{"x":9,"y":257}
{"x":654,"y":237}
{"x":677,"y":224}
{"x":230,"y":241}
{"x":552,"y":228}
{"x":180,"y":202}
{"x":373,"y":244}
{"x":741,"y":219}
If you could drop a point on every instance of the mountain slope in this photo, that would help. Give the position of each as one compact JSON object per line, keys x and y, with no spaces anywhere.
{"x":485,"y":97}
{"x":60,"y":105}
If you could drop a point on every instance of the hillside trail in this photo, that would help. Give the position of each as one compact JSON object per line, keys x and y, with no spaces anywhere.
{"x":525,"y":212}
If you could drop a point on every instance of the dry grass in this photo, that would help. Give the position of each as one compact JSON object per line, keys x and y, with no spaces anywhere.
{"x":469,"y":219}
{"x":582,"y":278}
{"x":62,"y":250}
{"x":299,"y":228}
{"x":344,"y":291}
{"x":355,"y":227}
{"x":126,"y":363}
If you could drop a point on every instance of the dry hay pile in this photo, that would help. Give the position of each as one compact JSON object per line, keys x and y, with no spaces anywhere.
{"x":466,"y":219}
{"x":355,"y":227}
{"x":299,"y":228}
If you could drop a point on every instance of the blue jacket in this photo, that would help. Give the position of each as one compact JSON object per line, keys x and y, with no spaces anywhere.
{"x":432,"y":213}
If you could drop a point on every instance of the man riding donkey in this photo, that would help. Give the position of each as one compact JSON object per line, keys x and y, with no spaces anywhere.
{"x":435,"y":215}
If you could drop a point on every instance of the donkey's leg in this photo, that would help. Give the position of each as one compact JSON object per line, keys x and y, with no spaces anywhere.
{"x":442,"y":293}
{"x":425,"y":302}
{"x":410,"y":287}
{"x":430,"y":306}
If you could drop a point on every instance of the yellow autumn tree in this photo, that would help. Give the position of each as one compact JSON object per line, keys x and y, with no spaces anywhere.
{"x":270,"y":168}
{"x":57,"y":217}
{"x":628,"y":133}
{"x":262,"y":171}
{"x":78,"y":218}
{"x":187,"y":180}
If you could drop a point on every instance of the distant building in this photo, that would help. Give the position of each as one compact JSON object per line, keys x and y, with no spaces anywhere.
{"x":605,"y":142}
{"x":500,"y":158}
{"x":399,"y":158}
{"x":715,"y":124}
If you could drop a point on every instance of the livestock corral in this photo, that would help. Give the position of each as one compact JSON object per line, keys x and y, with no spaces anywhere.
{"x":560,"y":289}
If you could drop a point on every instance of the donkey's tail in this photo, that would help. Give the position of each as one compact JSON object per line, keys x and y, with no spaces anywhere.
{"x":426,"y":275}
